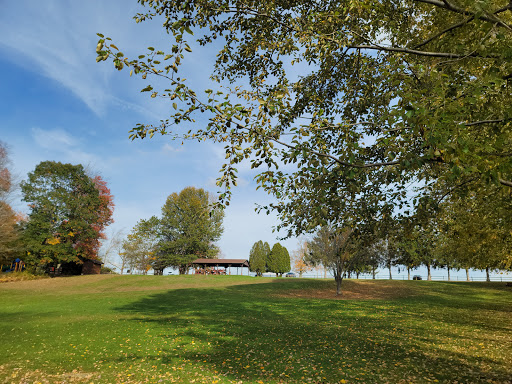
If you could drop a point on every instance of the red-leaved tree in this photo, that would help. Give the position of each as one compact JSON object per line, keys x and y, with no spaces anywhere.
{"x":103,"y":218}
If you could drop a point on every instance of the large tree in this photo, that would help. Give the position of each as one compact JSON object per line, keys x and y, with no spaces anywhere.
{"x":388,"y":93}
{"x":189,"y":228}
{"x":9,"y":235}
{"x":66,"y":211}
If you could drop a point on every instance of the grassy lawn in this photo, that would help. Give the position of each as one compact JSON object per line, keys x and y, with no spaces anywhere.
{"x":233,"y":329}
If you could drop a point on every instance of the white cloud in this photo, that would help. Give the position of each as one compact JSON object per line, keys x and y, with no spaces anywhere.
{"x":56,"y":139}
{"x":169,"y":149}
{"x":65,"y":147}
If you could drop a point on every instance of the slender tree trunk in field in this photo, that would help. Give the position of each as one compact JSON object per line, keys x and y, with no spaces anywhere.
{"x":338,"y":279}
{"x":390,"y":276}
{"x":357,"y":275}
{"x":349,"y":274}
{"x":448,"y":272}
{"x":339,"y":273}
{"x":408,"y":273}
{"x":467,"y":274}
{"x":487,"y":274}
{"x":429,"y":276}
{"x":373,"y":272}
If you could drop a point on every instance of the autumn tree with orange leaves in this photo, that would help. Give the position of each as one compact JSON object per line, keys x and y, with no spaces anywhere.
{"x":300,"y":258}
{"x":8,"y":218}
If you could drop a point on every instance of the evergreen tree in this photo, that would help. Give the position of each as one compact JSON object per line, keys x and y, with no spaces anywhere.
{"x":278,"y":260}
{"x":258,"y":258}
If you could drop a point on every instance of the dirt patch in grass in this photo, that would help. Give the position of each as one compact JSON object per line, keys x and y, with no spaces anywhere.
{"x":19,"y":375}
{"x":356,"y":290}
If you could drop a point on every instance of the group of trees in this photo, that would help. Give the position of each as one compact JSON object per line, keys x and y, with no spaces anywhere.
{"x":69,"y":211}
{"x":473,"y":233}
{"x":263,"y":259}
{"x":401,"y":110}
{"x":187,"y":230}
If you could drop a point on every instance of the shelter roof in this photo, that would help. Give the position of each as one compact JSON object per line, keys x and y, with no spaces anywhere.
{"x":223,"y":262}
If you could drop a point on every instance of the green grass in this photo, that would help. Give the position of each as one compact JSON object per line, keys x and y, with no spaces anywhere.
{"x":232,"y":329}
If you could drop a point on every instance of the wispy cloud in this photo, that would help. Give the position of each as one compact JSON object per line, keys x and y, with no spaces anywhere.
{"x":65,"y":147}
{"x":58,"y":40}
{"x":56,"y":139}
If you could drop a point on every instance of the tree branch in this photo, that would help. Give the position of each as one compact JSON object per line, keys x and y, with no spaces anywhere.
{"x":421,"y":53}
{"x":484,"y":122}
{"x":453,"y":189}
{"x":439,"y":34}
{"x":450,"y":7}
{"x":505,"y":182}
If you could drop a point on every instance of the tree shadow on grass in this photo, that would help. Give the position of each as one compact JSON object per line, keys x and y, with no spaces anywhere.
{"x":245,"y":334}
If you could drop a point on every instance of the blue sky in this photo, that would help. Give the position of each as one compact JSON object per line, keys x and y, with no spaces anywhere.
{"x":58,"y":104}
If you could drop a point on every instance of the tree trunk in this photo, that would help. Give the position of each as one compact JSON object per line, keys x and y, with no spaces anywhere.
{"x":349,"y":274}
{"x":357,"y":275}
{"x":408,"y":273}
{"x":487,"y":274}
{"x":448,"y":272}
{"x":390,"y":275}
{"x":373,"y":272}
{"x":338,"y":279}
{"x":429,"y":275}
{"x":467,"y":274}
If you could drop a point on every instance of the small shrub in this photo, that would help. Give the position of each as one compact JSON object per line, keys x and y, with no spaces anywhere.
{"x":107,"y":271}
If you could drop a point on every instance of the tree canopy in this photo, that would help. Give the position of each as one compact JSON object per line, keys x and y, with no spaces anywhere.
{"x":278,"y":260}
{"x":389,"y":93}
{"x":188,"y":228}
{"x":68,"y":211}
{"x":336,"y":250}
{"x":258,"y":257}
{"x":140,"y":247}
